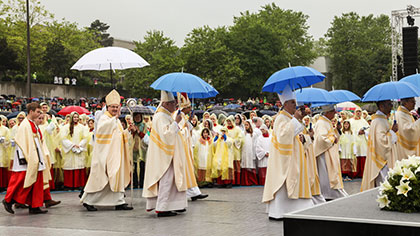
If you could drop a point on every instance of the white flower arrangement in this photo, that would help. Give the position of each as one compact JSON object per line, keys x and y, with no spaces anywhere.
{"x":401,"y":191}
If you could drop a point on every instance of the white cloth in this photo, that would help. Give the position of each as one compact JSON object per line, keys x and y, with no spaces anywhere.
{"x":193,"y":192}
{"x":169,"y":198}
{"x":318,"y":199}
{"x":262,"y":147}
{"x":18,"y":167}
{"x":282,"y":204}
{"x":324,"y":181}
{"x":105,"y":197}
{"x":98,"y":115}
{"x":248,"y":151}
{"x":383,"y":174}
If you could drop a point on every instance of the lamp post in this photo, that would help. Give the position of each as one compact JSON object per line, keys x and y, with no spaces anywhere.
{"x":28,"y":51}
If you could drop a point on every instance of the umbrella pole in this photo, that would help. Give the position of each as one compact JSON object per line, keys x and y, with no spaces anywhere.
{"x":110,"y":73}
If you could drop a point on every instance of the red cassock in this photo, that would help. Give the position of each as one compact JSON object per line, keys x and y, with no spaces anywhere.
{"x":75,"y":178}
{"x":32,"y":195}
{"x":249,"y":177}
{"x":262,"y":172}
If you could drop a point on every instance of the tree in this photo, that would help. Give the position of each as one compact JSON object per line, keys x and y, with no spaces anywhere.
{"x":163,"y":56}
{"x":56,"y":58}
{"x":8,"y":57}
{"x":268,"y":41}
{"x":15,"y":11}
{"x":100,"y":30}
{"x":360,"y":51}
{"x":206,"y":55}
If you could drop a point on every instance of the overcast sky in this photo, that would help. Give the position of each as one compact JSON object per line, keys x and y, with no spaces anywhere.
{"x":130,"y":19}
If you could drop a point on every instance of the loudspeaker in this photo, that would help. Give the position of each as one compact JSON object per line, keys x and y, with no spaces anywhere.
{"x":410,"y":44}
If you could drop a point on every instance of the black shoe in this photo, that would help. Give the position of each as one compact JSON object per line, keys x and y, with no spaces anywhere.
{"x":201,"y":196}
{"x":8,"y":206}
{"x":89,"y":207}
{"x":81,"y":193}
{"x":36,"y":210}
{"x":276,"y":219}
{"x":180,"y":211}
{"x":22,"y":206}
{"x":123,"y":207}
{"x":166,"y":214}
{"x":50,"y":203}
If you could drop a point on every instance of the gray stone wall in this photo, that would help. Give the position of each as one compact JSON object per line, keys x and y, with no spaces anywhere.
{"x":51,"y":90}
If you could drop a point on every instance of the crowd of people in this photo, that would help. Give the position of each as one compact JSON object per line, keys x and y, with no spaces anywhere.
{"x":300,"y":156}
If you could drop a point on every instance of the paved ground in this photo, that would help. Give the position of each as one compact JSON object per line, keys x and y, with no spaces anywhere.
{"x":236,"y":211}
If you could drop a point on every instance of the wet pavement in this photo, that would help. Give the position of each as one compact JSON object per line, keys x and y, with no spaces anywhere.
{"x":236,"y":211}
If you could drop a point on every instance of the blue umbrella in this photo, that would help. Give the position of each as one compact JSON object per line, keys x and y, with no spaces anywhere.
{"x":188,"y":83}
{"x":232,"y":106}
{"x":390,"y":90}
{"x":314,"y":95}
{"x":296,"y":77}
{"x":412,"y":79}
{"x":344,"y":95}
{"x":152,"y":107}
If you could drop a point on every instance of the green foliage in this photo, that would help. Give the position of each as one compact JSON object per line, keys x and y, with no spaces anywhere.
{"x":163,"y":56}
{"x":206,"y":55}
{"x":99,"y":29}
{"x":268,"y":41}
{"x":360,"y":51}
{"x":8,"y":57}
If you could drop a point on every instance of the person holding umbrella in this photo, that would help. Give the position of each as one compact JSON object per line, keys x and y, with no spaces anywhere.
{"x":381,"y":147}
{"x":165,"y":183}
{"x":287,"y":185}
{"x":111,"y":161}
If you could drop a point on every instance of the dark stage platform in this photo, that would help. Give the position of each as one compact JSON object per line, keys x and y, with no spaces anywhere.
{"x":358,"y":214}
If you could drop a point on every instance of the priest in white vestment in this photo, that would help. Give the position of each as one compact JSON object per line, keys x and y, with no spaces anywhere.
{"x":381,"y":147}
{"x":326,"y":152}
{"x":165,"y":181}
{"x":111,"y":161}
{"x":408,"y":130}
{"x":186,"y":128}
{"x":287,"y":186}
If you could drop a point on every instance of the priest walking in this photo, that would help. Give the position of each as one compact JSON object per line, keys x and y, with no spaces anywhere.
{"x":111,"y":161}
{"x":165,"y":181}
{"x":287,"y":184}
{"x":326,"y":152}
{"x":30,"y":175}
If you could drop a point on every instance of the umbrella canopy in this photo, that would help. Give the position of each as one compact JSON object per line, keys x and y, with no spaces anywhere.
{"x":13,"y":115}
{"x":67,"y":110}
{"x":412,"y":79}
{"x":390,"y":91}
{"x":232,"y":106}
{"x":188,"y":83}
{"x":344,"y":95}
{"x":314,"y":95}
{"x":296,"y":77}
{"x":370,"y":108}
{"x":152,"y":107}
{"x":268,"y":112}
{"x":218,"y":112}
{"x":346,"y":106}
{"x":138,"y":109}
{"x":110,"y":58}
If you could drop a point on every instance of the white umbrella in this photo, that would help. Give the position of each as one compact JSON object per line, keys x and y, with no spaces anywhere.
{"x":109,"y":58}
{"x":347,"y":106}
